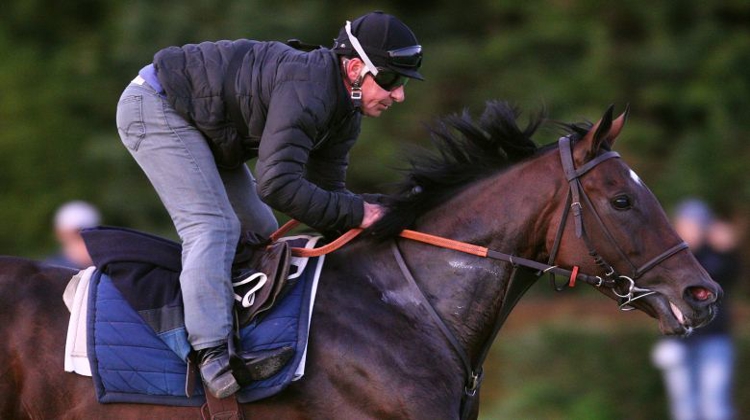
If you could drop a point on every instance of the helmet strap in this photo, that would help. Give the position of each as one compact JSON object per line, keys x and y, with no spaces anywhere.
{"x":355,"y":85}
{"x":360,"y":51}
{"x":356,"y":93}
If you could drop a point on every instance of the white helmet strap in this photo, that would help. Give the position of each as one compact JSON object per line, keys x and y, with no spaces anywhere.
{"x":357,"y":47}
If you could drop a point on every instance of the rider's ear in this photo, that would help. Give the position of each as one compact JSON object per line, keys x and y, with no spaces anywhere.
{"x":354,"y":69}
{"x":602,"y":134}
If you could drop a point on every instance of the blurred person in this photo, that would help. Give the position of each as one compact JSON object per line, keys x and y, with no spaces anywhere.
{"x":723,"y":238}
{"x":194,"y":116}
{"x":698,"y":370}
{"x":69,"y":220}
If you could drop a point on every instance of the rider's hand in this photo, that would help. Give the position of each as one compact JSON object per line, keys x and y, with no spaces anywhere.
{"x":373,"y":213}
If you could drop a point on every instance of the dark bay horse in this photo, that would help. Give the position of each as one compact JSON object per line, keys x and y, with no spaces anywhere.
{"x":376,"y":351}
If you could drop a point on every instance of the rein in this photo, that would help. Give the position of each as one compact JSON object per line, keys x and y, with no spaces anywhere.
{"x":576,"y":200}
{"x":446,"y":243}
{"x":577,"y":197}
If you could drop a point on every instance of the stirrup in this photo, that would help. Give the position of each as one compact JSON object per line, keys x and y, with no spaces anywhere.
{"x":247,"y":367}
{"x":216,"y":374}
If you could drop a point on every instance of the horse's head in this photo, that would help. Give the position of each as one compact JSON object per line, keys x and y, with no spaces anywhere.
{"x":614,"y":227}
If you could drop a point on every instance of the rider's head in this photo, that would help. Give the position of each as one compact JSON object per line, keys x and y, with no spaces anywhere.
{"x":379,"y":54}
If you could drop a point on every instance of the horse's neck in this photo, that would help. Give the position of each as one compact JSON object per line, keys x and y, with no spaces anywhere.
{"x":509,"y":212}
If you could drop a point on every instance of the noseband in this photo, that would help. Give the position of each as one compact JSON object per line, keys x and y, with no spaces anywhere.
{"x":577,"y":199}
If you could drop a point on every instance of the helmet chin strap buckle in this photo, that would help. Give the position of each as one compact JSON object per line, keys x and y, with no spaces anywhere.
{"x":356,"y":94}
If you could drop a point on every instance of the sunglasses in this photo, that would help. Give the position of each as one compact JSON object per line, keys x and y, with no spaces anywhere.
{"x":389,"y":80}
{"x":402,"y":57}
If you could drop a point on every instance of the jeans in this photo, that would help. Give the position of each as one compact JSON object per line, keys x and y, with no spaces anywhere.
{"x":698,"y":376}
{"x":209,"y":206}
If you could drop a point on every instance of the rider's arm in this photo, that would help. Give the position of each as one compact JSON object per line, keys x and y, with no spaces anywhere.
{"x":327,"y":167}
{"x":295,"y":114}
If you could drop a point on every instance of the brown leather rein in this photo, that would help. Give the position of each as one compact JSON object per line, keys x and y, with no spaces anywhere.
{"x":440,"y":242}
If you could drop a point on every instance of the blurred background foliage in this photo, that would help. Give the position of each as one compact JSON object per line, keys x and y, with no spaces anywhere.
{"x":575,"y":357}
{"x":682,"y":67}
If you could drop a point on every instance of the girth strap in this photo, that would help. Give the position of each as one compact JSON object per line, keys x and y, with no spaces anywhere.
{"x":221,"y":409}
{"x":474,"y":373}
{"x":472,"y":377}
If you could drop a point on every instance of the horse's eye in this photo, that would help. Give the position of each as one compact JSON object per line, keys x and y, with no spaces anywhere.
{"x":622,"y":202}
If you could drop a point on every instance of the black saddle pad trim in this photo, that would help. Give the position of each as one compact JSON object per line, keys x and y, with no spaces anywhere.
{"x":108,"y":244}
{"x":144,"y":268}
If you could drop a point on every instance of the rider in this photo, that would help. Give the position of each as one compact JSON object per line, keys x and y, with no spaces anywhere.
{"x":198,"y":112}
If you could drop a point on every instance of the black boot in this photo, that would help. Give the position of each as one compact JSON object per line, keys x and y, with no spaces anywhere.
{"x":222,"y":375}
{"x":213,"y":364}
{"x":260,"y":365}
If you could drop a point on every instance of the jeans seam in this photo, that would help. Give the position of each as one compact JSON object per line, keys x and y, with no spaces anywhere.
{"x":228,"y":247}
{"x":136,"y":119}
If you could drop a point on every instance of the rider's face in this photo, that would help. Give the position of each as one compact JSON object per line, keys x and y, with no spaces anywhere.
{"x":73,"y":247}
{"x":375,"y":99}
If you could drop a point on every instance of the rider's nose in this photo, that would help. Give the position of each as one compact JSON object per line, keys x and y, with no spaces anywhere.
{"x":398,"y":94}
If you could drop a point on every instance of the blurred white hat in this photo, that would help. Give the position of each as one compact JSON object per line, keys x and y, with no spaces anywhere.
{"x":76,"y":215}
{"x":695,"y":210}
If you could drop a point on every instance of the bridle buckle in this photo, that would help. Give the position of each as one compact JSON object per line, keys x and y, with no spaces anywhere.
{"x":473,"y":384}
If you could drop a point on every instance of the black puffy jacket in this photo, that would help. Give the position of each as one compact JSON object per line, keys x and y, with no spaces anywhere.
{"x":300,"y":121}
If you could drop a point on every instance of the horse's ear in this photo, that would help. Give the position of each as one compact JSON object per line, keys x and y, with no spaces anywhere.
{"x":617,"y":125}
{"x":602,"y":134}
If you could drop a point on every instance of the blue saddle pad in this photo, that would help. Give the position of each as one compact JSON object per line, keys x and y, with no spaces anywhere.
{"x":137,"y":343}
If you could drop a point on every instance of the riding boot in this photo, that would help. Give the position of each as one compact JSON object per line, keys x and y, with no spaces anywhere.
{"x":224,"y":371}
{"x":213,"y":364}
{"x":259,"y":365}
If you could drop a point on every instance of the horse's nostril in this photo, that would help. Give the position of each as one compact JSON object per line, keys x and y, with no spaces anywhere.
{"x":700,"y":294}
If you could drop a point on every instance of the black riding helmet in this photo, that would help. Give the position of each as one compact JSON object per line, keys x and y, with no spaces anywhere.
{"x":387,"y":43}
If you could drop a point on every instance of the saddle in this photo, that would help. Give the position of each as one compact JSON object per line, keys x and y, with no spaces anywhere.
{"x":136,"y":286}
{"x":259,"y":276}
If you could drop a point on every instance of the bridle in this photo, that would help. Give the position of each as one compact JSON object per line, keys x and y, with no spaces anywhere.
{"x":623,"y":286}
{"x":576,"y":200}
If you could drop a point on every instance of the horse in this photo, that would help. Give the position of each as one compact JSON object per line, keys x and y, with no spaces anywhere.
{"x":396,"y":322}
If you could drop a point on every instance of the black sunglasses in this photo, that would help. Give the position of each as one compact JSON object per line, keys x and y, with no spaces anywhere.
{"x":390,"y":80}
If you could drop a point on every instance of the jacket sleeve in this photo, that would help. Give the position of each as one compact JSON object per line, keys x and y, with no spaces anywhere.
{"x":326,"y":167}
{"x":295,"y":114}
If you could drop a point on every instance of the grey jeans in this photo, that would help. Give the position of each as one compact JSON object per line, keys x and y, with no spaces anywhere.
{"x":208,"y":205}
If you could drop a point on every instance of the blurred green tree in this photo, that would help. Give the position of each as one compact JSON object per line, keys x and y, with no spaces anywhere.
{"x":681,"y":66}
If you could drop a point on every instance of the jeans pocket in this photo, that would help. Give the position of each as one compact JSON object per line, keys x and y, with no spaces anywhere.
{"x":130,"y":123}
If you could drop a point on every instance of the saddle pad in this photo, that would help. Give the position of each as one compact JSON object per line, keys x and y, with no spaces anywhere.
{"x":133,"y":363}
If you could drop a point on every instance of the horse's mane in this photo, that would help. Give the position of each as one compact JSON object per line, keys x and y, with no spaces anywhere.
{"x":467,"y":151}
